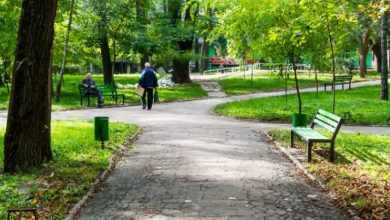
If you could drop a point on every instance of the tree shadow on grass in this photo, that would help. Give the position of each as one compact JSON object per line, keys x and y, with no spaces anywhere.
{"x":366,"y":156}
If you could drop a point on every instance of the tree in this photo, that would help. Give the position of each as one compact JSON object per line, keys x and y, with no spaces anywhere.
{"x":384,"y":66}
{"x":181,"y":21}
{"x":27,"y":138}
{"x":101,"y":11}
{"x":59,"y":83}
{"x":9,"y":15}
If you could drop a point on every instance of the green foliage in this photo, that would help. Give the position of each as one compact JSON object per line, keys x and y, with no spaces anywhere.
{"x":358,"y":102}
{"x":58,"y":185}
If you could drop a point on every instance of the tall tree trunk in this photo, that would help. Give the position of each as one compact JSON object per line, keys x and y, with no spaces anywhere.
{"x":292,"y":57}
{"x":205,"y":60}
{"x":181,"y":64}
{"x":198,"y":51}
{"x":376,"y":49}
{"x":330,"y":37}
{"x":364,"y":48}
{"x":106,"y":59}
{"x":63,"y":65}
{"x":27,"y":138}
{"x":101,"y":10}
{"x":384,"y":68}
{"x":142,"y":20}
{"x":181,"y":73}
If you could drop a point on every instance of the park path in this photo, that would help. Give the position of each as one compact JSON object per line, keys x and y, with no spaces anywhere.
{"x":189,"y":164}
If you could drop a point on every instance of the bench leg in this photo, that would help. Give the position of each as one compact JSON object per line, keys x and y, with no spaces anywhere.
{"x":123,"y":100}
{"x":349,"y":85}
{"x":291,"y":139}
{"x":309,"y":147}
{"x":331,"y":154}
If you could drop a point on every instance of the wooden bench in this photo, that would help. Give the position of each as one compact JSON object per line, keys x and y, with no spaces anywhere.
{"x":340,"y":80}
{"x":325,"y":120}
{"x":107,"y":90}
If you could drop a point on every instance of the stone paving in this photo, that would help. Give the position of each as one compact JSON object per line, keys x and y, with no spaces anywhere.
{"x":207,"y":168}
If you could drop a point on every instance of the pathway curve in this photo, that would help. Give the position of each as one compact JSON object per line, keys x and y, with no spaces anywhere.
{"x":189,"y":164}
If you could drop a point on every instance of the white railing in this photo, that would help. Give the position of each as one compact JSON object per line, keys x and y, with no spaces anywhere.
{"x":225,"y":72}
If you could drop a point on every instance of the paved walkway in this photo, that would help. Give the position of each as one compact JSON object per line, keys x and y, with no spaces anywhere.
{"x":189,"y":164}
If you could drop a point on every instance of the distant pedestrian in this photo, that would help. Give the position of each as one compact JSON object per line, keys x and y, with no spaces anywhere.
{"x":148,"y":81}
{"x":90,"y":89}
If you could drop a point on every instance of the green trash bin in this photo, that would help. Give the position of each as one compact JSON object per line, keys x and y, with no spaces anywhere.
{"x":101,"y":129}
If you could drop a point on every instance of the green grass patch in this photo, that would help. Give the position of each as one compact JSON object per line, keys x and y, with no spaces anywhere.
{"x":362,"y":104}
{"x":360,"y":177}
{"x":70,"y":97}
{"x":268,"y":82}
{"x":61,"y":183}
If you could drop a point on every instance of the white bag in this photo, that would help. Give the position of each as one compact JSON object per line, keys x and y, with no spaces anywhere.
{"x":139,"y":90}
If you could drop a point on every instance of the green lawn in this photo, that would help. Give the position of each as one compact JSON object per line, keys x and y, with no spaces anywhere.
{"x":70,"y":98}
{"x":362,"y":103}
{"x":239,"y":86}
{"x":78,"y":159}
{"x":360,"y":177}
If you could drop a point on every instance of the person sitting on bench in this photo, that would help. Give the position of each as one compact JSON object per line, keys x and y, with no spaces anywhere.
{"x":91,"y":89}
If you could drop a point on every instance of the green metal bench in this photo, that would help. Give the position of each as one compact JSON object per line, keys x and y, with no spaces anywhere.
{"x":107,"y":90}
{"x":340,"y":80}
{"x":110,"y":90}
{"x":325,"y":120}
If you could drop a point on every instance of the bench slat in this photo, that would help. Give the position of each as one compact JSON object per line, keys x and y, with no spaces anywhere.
{"x":310,"y":134}
{"x":326,"y":126}
{"x":327,"y":120}
{"x":329,"y":115}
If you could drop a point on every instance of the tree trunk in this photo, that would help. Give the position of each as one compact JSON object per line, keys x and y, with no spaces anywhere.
{"x":27,"y":138}
{"x":144,"y":59}
{"x":364,"y":48}
{"x":142,"y":20}
{"x":205,"y":52}
{"x":376,"y":49}
{"x":330,"y":37}
{"x":106,"y":59}
{"x":61,"y":76}
{"x":101,"y":11}
{"x":296,"y":83}
{"x":180,"y":71}
{"x":384,"y":68}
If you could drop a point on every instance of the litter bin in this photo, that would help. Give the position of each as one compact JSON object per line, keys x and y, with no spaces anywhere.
{"x":101,"y":129}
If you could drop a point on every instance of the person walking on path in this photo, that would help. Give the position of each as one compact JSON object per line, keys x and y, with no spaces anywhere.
{"x":148,"y":81}
{"x":90,"y":89}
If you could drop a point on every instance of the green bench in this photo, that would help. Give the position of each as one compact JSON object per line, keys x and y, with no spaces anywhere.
{"x":326,"y":121}
{"x":340,"y":80}
{"x":107,"y":90}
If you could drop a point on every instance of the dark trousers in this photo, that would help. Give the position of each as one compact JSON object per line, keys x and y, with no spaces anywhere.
{"x":149,"y":92}
{"x":97,"y":93}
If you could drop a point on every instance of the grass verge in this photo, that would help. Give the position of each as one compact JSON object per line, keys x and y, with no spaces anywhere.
{"x":359,"y":106}
{"x":61,"y":183}
{"x":360,"y":177}
{"x":70,"y":97}
{"x":240,"y":86}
